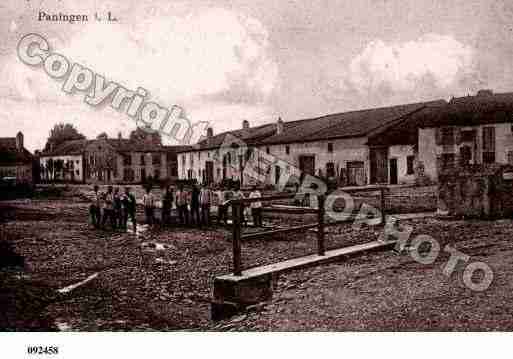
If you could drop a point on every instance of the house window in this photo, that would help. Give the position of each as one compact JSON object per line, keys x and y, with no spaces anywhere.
{"x":409,"y":165}
{"x":448,"y":160}
{"x":465,"y":155}
{"x":189,"y":174}
{"x":267,"y":150}
{"x":447,"y":136}
{"x":330,"y":169}
{"x":143,"y":174}
{"x":156,"y":175}
{"x":488,"y":157}
{"x":218,"y":171}
{"x":467,"y":136}
{"x":287,"y":150}
{"x":143,"y":161}
{"x":156,"y":160}
{"x":330,"y":147}
{"x":488,"y":144}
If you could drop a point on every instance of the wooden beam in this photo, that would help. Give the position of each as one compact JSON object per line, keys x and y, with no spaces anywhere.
{"x":277,"y":231}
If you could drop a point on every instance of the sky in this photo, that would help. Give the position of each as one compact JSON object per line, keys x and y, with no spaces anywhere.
{"x":227,"y":61}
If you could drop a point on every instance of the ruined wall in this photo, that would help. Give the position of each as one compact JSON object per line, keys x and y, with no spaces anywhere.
{"x":479,"y":191}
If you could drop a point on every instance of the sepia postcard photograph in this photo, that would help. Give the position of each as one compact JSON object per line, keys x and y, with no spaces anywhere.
{"x":215,"y":166}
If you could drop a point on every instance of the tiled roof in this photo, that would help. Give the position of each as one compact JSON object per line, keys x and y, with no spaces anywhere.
{"x":339,"y":125}
{"x":472,"y":110}
{"x":252,"y":135}
{"x":76,"y":147}
{"x":404,"y":131}
{"x":73,"y":147}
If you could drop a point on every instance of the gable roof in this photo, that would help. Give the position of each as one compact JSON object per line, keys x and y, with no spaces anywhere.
{"x":343,"y":125}
{"x":250,"y":136}
{"x":77,"y":147}
{"x":484,"y":108}
{"x":339,"y":125}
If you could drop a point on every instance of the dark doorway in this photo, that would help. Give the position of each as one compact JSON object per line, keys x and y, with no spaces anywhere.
{"x":277,"y":174}
{"x":393,"y":171}
{"x":378,"y":165}
{"x":307,"y":165}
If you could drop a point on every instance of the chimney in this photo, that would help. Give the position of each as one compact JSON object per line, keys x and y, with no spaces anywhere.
{"x":210,"y":134}
{"x":19,"y":141}
{"x":245,"y":125}
{"x":279,"y":126}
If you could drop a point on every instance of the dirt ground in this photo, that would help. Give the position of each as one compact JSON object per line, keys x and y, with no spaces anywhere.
{"x":162,"y":279}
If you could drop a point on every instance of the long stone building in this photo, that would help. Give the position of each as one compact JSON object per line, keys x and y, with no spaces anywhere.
{"x":352,"y":148}
{"x":109,"y":160}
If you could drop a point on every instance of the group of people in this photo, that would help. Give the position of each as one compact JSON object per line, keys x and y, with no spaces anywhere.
{"x":193,"y":206}
{"x":115,"y":207}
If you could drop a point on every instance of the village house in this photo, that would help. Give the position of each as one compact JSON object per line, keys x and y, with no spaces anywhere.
{"x":353,"y":148}
{"x":15,"y":160}
{"x":109,"y":160}
{"x":470,"y":130}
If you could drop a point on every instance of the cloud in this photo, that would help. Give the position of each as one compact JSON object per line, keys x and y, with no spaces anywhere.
{"x":215,"y":63}
{"x":438,"y":62}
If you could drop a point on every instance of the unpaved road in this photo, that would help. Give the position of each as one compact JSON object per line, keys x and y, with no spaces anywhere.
{"x":162,"y":280}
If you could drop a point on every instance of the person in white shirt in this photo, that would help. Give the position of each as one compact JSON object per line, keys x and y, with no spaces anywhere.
{"x":94,"y":208}
{"x":256,"y":207}
{"x":205,"y":199}
{"x":108,"y":208}
{"x":149,"y":206}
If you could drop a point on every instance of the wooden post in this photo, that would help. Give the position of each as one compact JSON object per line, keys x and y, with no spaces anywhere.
{"x":320,"y":229}
{"x":236,"y":221}
{"x":383,"y":213}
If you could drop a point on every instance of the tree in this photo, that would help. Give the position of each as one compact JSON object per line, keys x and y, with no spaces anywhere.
{"x":102,"y":135}
{"x":146,"y":135}
{"x":61,"y":133}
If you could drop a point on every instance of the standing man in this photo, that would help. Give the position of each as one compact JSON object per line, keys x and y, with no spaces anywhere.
{"x":222,"y":208}
{"x":149,"y":206}
{"x":239,"y":195}
{"x":108,"y":208}
{"x":117,"y":208}
{"x":129,"y":208}
{"x":181,"y":204}
{"x":94,"y":208}
{"x":206,"y":198}
{"x":167,"y":205}
{"x":256,"y":207}
{"x":195,"y":206}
